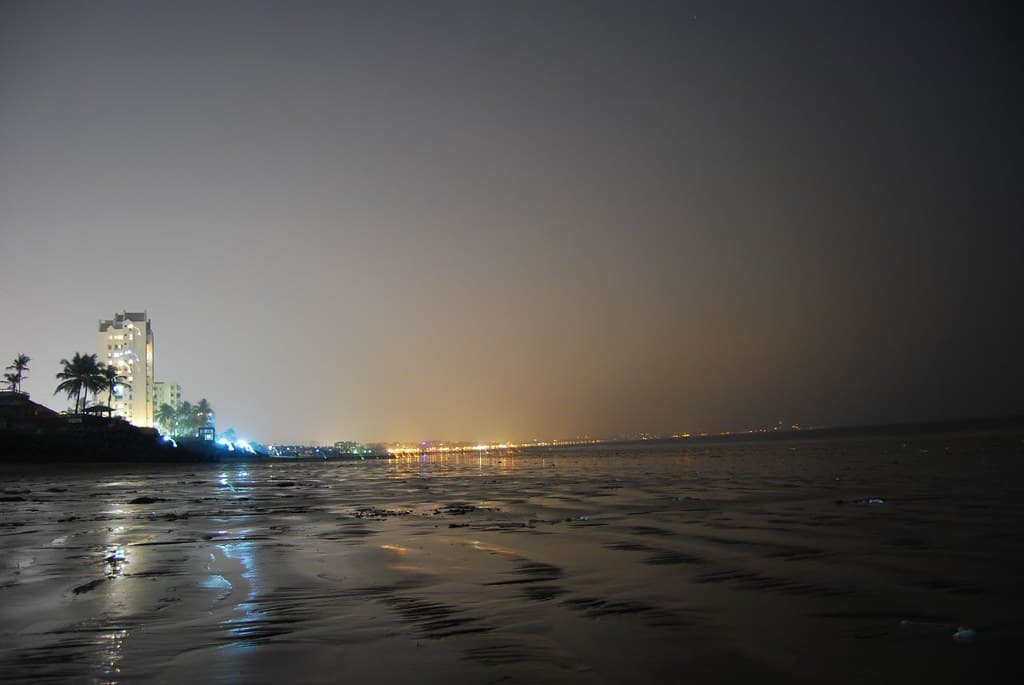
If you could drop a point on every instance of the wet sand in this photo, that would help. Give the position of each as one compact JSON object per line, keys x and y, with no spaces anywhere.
{"x":843,"y":561}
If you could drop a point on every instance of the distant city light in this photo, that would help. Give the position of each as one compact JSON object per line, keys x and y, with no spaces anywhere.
{"x":428,"y":448}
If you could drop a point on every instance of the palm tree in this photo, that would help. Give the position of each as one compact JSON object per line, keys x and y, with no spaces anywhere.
{"x":94,"y":385}
{"x":185,"y":421}
{"x":110,"y":378}
{"x":19,"y":367}
{"x":165,"y":416}
{"x":204,"y":412}
{"x":12,"y":381}
{"x":78,"y":377}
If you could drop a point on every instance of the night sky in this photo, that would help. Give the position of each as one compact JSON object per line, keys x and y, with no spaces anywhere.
{"x":505,"y":220}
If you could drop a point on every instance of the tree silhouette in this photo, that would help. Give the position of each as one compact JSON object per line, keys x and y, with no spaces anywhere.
{"x":110,"y":377}
{"x":19,"y":367}
{"x":78,"y":377}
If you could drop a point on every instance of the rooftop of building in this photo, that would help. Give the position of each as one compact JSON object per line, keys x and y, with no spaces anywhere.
{"x":119,"y":319}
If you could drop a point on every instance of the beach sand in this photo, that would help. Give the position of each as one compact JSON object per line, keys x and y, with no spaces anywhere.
{"x":842,"y":561}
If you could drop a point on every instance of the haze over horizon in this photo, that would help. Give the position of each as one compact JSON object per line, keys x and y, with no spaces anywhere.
{"x":486,"y":221}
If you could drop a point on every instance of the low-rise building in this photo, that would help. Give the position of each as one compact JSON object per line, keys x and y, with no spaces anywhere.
{"x":165,"y":392}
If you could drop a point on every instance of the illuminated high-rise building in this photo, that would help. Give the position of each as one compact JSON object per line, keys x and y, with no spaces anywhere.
{"x":126,"y":343}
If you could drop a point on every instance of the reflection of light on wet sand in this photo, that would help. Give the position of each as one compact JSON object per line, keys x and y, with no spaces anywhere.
{"x":402,"y":465}
{"x":404,"y":564}
{"x":217,"y":582}
{"x":113,"y":652}
{"x":122,"y":596}
{"x":397,"y":549}
{"x":227,"y":480}
{"x":114,"y":557}
{"x":245,"y":554}
{"x":488,"y":547}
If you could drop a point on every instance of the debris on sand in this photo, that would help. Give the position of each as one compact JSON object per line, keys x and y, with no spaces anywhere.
{"x":146,"y":500}
{"x":456,"y":509}
{"x":375,"y":513}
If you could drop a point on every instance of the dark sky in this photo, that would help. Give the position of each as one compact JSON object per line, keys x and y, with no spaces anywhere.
{"x":502,"y":220}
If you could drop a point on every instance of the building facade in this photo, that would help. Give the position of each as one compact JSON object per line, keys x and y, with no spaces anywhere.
{"x":126,"y":343}
{"x":166,"y":393}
